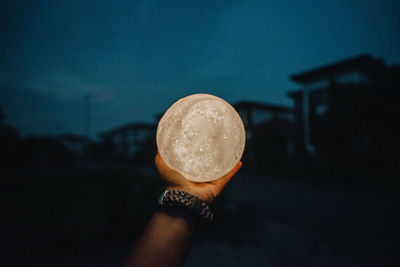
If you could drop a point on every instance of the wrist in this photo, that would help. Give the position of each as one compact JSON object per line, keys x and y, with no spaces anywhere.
{"x":205,"y":196}
{"x":182,"y":200}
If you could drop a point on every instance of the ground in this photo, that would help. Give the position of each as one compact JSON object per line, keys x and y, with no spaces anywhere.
{"x":280,"y":222}
{"x":259,"y":221}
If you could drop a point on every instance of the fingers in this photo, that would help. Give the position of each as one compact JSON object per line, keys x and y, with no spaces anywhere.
{"x":158,"y":161}
{"x":222,"y":182}
{"x":234,"y":170}
{"x":161,"y":166}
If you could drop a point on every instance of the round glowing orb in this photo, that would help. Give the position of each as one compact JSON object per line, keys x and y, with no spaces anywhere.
{"x":201,"y":136}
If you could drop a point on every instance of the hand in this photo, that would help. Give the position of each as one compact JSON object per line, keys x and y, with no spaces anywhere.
{"x":207,"y":191}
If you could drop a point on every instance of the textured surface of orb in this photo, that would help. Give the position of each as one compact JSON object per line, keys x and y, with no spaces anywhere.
{"x":201,"y":136}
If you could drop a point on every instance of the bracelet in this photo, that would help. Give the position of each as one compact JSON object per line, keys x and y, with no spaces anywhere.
{"x":180,"y":198}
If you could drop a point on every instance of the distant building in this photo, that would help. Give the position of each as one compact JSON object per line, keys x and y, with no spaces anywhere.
{"x":270,"y":134}
{"x":255,"y":114}
{"x":129,"y":138}
{"x":347,"y":114}
{"x":75,"y":143}
{"x":341,"y":87}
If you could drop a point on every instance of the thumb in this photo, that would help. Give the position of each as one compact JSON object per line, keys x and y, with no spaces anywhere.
{"x":223,"y":181}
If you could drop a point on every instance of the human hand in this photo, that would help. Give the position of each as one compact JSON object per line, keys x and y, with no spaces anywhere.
{"x":206,"y":191}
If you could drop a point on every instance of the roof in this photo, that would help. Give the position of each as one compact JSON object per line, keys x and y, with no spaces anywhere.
{"x":364,"y":63}
{"x":262,"y":106}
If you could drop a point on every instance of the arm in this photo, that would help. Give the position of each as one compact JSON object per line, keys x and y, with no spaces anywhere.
{"x":168,"y":235}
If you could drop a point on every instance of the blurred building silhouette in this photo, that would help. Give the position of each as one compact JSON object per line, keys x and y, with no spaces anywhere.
{"x":346,"y":112}
{"x":315,"y":98}
{"x":254,"y":114}
{"x":129,"y":139}
{"x":270,"y":133}
{"x":75,"y":143}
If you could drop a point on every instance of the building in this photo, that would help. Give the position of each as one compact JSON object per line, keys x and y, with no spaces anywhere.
{"x":254,"y":114}
{"x":75,"y":143}
{"x":346,"y":111}
{"x":270,"y":134}
{"x":322,"y":86}
{"x":129,"y":138}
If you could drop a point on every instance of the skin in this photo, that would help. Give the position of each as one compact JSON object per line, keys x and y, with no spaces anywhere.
{"x":166,"y":238}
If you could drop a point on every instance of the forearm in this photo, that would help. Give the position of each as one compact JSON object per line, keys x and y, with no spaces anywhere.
{"x":168,"y":235}
{"x":165,"y":240}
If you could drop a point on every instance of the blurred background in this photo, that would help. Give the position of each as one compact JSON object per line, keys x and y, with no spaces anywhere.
{"x":84,"y":83}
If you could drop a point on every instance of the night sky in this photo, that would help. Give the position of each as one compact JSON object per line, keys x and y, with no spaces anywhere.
{"x":135,"y":58}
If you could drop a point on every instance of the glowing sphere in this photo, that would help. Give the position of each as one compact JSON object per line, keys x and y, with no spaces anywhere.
{"x":201,"y":136}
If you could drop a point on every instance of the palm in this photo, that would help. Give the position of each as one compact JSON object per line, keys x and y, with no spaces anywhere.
{"x":207,"y":191}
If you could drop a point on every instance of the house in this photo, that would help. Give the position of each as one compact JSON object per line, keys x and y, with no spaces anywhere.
{"x":346,"y":114}
{"x":343,"y":87}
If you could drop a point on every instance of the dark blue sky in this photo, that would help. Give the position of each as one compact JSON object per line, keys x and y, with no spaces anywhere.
{"x":135,"y":58}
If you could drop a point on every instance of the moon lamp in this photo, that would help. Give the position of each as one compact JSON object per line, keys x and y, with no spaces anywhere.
{"x":201,"y":136}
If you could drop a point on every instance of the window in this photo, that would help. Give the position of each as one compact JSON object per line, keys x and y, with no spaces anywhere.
{"x":260,"y":116}
{"x":317,"y":84}
{"x":286,"y":116}
{"x":321,"y":109}
{"x":352,"y":77}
